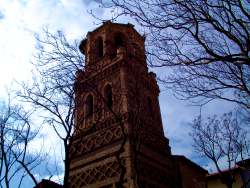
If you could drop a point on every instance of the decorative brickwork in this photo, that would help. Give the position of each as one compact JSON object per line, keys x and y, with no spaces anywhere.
{"x":118,"y":137}
{"x":96,"y":140}
{"x":96,"y":174}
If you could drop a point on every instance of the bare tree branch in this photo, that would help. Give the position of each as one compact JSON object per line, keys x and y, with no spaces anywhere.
{"x":202,"y":45}
{"x":221,"y":140}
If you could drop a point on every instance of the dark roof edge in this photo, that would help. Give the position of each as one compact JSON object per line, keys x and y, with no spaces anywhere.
{"x":182,"y":157}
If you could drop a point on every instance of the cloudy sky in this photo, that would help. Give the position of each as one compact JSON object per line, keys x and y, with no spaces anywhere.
{"x":21,"y":20}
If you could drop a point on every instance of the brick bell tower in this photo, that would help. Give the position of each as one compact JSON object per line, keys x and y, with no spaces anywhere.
{"x":118,"y":139}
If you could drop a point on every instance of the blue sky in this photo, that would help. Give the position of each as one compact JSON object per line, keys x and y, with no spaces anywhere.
{"x":21,"y":20}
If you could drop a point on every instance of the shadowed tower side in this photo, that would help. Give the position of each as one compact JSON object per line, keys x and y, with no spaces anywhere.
{"x":118,"y":139}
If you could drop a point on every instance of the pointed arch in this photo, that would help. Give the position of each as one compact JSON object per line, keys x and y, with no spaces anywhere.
{"x":99,"y":47}
{"x":149,"y":105}
{"x":108,"y":95}
{"x":89,"y":109}
{"x":119,"y":40}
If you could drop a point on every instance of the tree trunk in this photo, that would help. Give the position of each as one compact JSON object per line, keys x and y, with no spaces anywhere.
{"x":66,"y":166}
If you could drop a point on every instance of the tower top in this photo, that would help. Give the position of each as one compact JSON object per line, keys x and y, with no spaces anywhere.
{"x":118,"y":130}
{"x":104,"y":44}
{"x":104,"y":26}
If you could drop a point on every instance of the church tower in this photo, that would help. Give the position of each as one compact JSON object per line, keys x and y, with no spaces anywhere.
{"x":118,"y":139}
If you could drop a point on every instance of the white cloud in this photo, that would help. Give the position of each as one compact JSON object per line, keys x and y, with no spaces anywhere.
{"x":1,"y":15}
{"x":24,"y":18}
{"x":19,"y":20}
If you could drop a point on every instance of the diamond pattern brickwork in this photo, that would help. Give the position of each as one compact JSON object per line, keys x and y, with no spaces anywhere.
{"x":96,"y":174}
{"x":96,"y":140}
{"x":135,"y":92}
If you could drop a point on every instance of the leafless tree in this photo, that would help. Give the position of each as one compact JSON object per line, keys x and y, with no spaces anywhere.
{"x":17,"y":162}
{"x":221,"y":140}
{"x":52,"y":93}
{"x":204,"y":45}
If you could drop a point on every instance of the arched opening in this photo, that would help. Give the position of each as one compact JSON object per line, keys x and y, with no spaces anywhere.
{"x":108,"y":96}
{"x":149,"y":103}
{"x":99,"y":47}
{"x":119,"y":40}
{"x":119,"y":43}
{"x":89,"y":105}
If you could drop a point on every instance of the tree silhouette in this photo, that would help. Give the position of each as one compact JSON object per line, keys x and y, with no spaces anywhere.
{"x":53,"y":92}
{"x":221,"y":139}
{"x":203,"y":45}
{"x":16,"y":134}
